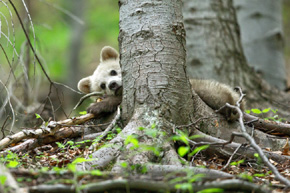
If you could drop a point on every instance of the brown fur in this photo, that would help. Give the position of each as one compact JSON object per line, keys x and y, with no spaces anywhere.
{"x":216,"y":95}
{"x":108,"y":104}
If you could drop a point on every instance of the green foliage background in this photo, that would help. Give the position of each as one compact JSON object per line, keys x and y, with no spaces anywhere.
{"x":53,"y":33}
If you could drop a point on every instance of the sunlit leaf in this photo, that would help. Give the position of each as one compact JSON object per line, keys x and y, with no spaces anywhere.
{"x":256,"y":111}
{"x":197,"y":149}
{"x":182,"y":151}
{"x":3,"y":179}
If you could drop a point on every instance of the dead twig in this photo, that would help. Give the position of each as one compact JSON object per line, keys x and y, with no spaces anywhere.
{"x":87,"y":96}
{"x":254,"y":144}
{"x":107,"y":130}
{"x":230,"y":159}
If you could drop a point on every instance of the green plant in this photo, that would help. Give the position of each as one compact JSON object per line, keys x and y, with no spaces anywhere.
{"x":184,"y":183}
{"x":3,"y":179}
{"x":237,"y":163}
{"x":275,"y":118}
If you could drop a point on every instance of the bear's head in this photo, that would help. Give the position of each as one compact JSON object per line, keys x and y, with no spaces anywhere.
{"x":107,"y":77}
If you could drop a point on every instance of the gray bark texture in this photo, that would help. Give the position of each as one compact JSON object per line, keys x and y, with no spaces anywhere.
{"x":212,"y":41}
{"x":262,"y":38}
{"x":152,"y":40}
{"x":214,"y":51}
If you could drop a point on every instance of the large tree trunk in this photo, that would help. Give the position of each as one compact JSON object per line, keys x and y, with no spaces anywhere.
{"x":153,"y":60}
{"x":262,"y":38}
{"x":156,"y":90}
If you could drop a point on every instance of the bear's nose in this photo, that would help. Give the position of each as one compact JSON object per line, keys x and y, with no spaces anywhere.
{"x":113,"y":86}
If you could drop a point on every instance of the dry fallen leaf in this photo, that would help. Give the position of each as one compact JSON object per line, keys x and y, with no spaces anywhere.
{"x":285,"y":148}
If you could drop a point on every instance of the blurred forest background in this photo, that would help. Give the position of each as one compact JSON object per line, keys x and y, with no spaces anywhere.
{"x":68,"y":38}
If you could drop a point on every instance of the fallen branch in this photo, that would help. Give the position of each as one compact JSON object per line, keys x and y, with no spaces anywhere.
{"x":66,"y":132}
{"x":266,"y":125}
{"x":50,"y":129}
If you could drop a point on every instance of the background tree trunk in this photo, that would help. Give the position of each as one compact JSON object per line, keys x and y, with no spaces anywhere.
{"x":213,"y":43}
{"x":214,"y":51}
{"x":76,"y":38}
{"x":152,"y":52}
{"x":262,"y":38}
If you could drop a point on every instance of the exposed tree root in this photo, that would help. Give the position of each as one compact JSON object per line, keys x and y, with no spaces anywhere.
{"x":137,"y":185}
{"x":227,"y":150}
{"x":10,"y":185}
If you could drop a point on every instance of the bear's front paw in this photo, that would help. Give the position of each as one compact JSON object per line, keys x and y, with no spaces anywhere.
{"x":96,"y":108}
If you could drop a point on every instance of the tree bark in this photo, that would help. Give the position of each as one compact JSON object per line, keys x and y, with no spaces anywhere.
{"x":213,"y":43}
{"x":262,"y":38}
{"x":152,"y":52}
{"x":214,"y":51}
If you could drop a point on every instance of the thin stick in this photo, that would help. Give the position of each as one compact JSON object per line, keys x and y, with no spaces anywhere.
{"x":87,"y":96}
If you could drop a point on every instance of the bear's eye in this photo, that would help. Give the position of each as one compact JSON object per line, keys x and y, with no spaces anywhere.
{"x":113,"y":73}
{"x":103,"y":86}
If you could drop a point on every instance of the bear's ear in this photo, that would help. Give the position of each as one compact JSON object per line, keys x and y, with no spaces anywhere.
{"x":84,"y":85}
{"x":109,"y":53}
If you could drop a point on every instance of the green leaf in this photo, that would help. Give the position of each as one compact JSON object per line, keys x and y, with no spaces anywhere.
{"x":256,"y":111}
{"x":96,"y":173}
{"x":195,"y":136}
{"x":248,"y":111}
{"x":83,"y":112}
{"x":124,"y":164}
{"x":133,"y":140}
{"x":182,"y":151}
{"x":211,"y":190}
{"x":151,"y":132}
{"x":72,"y":167}
{"x":259,"y":175}
{"x":12,"y":164}
{"x":197,"y":149}
{"x":118,"y":129}
{"x":37,"y":116}
{"x":81,"y":160}
{"x":274,"y":111}
{"x":246,"y":176}
{"x":184,"y":186}
{"x":266,"y":110}
{"x":141,"y":128}
{"x":3,"y":179}
{"x":196,"y":177}
{"x":44,"y":169}
{"x":237,"y":163}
